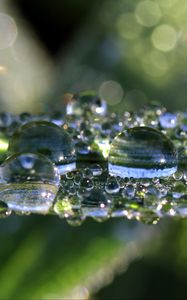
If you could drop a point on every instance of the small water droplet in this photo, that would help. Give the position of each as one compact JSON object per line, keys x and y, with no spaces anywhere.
{"x":4,"y":210}
{"x":25,"y":117}
{"x":129,"y":191}
{"x":86,"y":101}
{"x":183,"y":122}
{"x":57,"y":118}
{"x":112,"y":186}
{"x":168,"y":120}
{"x":76,"y":220}
{"x":70,"y":175}
{"x":86,"y":184}
{"x":96,"y":169}
{"x":67,"y":185}
{"x":178,"y":175}
{"x":82,"y":148}
{"x":142,"y":152}
{"x":64,"y":207}
{"x":77,"y":178}
{"x":29,"y":182}
{"x":96,"y":205}
{"x":45,"y":138}
{"x":149,"y":217}
{"x":87,"y":173}
{"x":3,"y":146}
{"x":6,"y":119}
{"x":178,"y":189}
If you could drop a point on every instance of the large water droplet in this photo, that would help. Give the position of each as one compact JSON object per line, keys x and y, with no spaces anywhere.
{"x":45,"y":138}
{"x":142,"y":152}
{"x":86,"y":101}
{"x":29,"y":182}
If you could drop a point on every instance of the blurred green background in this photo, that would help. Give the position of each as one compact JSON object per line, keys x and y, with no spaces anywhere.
{"x":132,"y":52}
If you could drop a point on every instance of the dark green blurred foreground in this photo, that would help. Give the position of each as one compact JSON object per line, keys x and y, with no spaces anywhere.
{"x":44,"y":258}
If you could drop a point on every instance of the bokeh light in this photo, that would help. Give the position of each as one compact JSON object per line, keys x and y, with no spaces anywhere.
{"x":148,"y":13}
{"x":111,"y":91}
{"x":164,"y":37}
{"x":155,"y":63}
{"x":127,"y":26}
{"x":135,"y":98}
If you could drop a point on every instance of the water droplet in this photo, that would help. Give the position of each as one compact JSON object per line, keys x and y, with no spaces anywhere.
{"x":57,"y":118}
{"x":45,"y":138}
{"x":77,"y":178}
{"x":3,"y":146}
{"x":29,"y":182}
{"x":75,"y":220}
{"x":183,"y":123}
{"x":4,"y":210}
{"x":67,"y":185}
{"x":178,"y":175}
{"x":112,"y":186}
{"x":178,"y":189}
{"x":129,"y":191}
{"x":82,"y":148}
{"x":6,"y":119}
{"x":96,"y":205}
{"x":142,"y":152}
{"x":64,"y":207}
{"x":87,"y":184}
{"x":87,"y":173}
{"x":25,"y":117}
{"x":86,"y":101}
{"x":72,"y":190}
{"x":96,"y":169}
{"x":168,"y":120}
{"x":149,"y":217}
{"x":70,"y":175}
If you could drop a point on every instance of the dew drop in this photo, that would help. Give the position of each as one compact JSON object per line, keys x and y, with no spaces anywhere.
{"x":96,"y":205}
{"x":87,"y":173}
{"x":149,"y":218}
{"x":3,"y":146}
{"x":112,"y":186}
{"x":28,"y":182}
{"x":178,"y":175}
{"x":77,"y":178}
{"x":183,"y":123}
{"x":70,"y":175}
{"x":142,"y":152}
{"x":6,"y":119}
{"x":86,"y":101}
{"x":168,"y":120}
{"x":129,"y":191}
{"x":25,"y":118}
{"x":86,"y":184}
{"x":45,"y":138}
{"x":4,"y":210}
{"x":96,"y":169}
{"x":76,"y":220}
{"x":64,"y":207}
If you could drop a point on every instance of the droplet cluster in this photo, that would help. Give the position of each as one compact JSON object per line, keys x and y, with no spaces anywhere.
{"x":87,"y":162}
